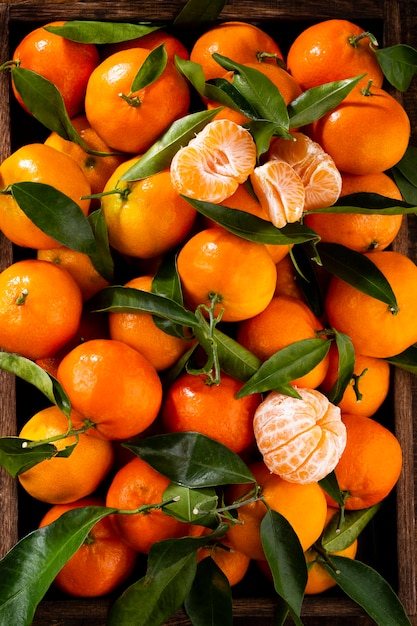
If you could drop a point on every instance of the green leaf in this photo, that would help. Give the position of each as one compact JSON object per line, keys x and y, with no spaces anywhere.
{"x":56,"y":214}
{"x":192,"y":460}
{"x":29,"y":371}
{"x":286,"y":559}
{"x":209,"y":601}
{"x":307,"y":279}
{"x":408,"y":190}
{"x":358,"y":271}
{"x":193,"y":506}
{"x":331,"y":486}
{"x":261,"y":93}
{"x":227,"y":94}
{"x":193,"y":72}
{"x":100,"y":32}
{"x":28,"y":569}
{"x":166,"y":282}
{"x":313,"y":103}
{"x":407,"y":360}
{"x":338,"y":534}
{"x":160,"y":154}
{"x":369,"y":204}
{"x":367,"y":588}
{"x":151,"y":69}
{"x":286,"y":365}
{"x":234,"y":359}
{"x":398,"y":63}
{"x":250,"y":226}
{"x":130,"y":300}
{"x":101,"y":258}
{"x":45,"y":102}
{"x":199,"y":12}
{"x":17,"y":459}
{"x":263,"y":131}
{"x":154,"y":598}
{"x":405,"y":175}
{"x":345,"y":367}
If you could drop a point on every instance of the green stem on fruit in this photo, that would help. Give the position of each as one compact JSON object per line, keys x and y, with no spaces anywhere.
{"x":366,"y":91}
{"x":9,"y":65}
{"x":354,"y":40}
{"x":71,"y":432}
{"x":146,"y":508}
{"x":21,"y":299}
{"x":356,"y":378}
{"x":133,"y":101}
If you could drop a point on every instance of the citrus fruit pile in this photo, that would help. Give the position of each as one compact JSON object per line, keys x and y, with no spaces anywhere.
{"x":206,"y":296}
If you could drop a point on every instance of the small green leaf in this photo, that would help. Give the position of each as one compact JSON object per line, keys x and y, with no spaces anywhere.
{"x":250,"y":226}
{"x":339,"y":535}
{"x":405,"y":174}
{"x":261,"y":93}
{"x":101,"y":258}
{"x":306,"y":277}
{"x":209,"y":601}
{"x":234,"y":359}
{"x":313,"y":103}
{"x":407,"y":360}
{"x":160,"y":154}
{"x":408,"y":190}
{"x":16,"y":459}
{"x":166,"y":282}
{"x":29,"y":568}
{"x":358,"y":271}
{"x":193,"y":506}
{"x":199,"y":12}
{"x":130,"y":300}
{"x":158,"y":595}
{"x":398,"y":63}
{"x":56,"y":214}
{"x":286,"y":365}
{"x":100,"y":32}
{"x":192,"y":460}
{"x":367,"y":588}
{"x":286,"y":559}
{"x":29,"y":371}
{"x":369,"y":204}
{"x":331,"y":486}
{"x":345,"y":367}
{"x":151,"y":69}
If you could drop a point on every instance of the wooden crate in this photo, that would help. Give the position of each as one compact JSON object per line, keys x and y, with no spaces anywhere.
{"x":393,"y":22}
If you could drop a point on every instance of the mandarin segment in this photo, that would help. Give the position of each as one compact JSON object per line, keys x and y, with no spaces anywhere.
{"x":300,"y":440}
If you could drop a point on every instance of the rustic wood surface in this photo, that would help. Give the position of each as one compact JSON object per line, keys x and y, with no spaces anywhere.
{"x":398,"y":23}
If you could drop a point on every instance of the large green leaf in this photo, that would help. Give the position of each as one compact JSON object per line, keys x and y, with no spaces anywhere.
{"x":407,"y":360}
{"x":29,"y":371}
{"x":29,"y":568}
{"x":209,"y":601}
{"x":100,"y":32}
{"x":368,"y":589}
{"x":358,"y":271}
{"x":286,"y":559}
{"x":16,"y":457}
{"x":398,"y":63}
{"x":151,"y":69}
{"x":56,"y":214}
{"x":286,"y":365}
{"x":192,"y":459}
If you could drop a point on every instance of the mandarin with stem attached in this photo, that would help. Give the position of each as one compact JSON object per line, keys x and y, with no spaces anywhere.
{"x":40,"y":308}
{"x":285,"y":320}
{"x":233,"y":564}
{"x":191,"y":403}
{"x":60,"y":480}
{"x":101,"y":564}
{"x":377,"y":329}
{"x":136,"y":485}
{"x":332,"y":50}
{"x":240,"y":293}
{"x":240,"y":41}
{"x":112,"y":385}
{"x":111,"y":106}
{"x":370,"y":465}
{"x":38,"y":163}
{"x":145,"y":218}
{"x":65,"y":63}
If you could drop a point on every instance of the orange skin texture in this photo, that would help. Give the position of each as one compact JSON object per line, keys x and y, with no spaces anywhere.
{"x":113,"y":385}
{"x":191,"y":404}
{"x":374,"y":329}
{"x":60,"y":480}
{"x":151,"y":41}
{"x":67,"y":64}
{"x":244,"y":292}
{"x":38,"y":163}
{"x":285,"y":320}
{"x":304,"y":507}
{"x":151,"y":220}
{"x":370,"y":465}
{"x":323,"y":53}
{"x":40,"y":308}
{"x":139,"y":331}
{"x":233,"y":564}
{"x":364,"y":134}
{"x":101,"y":564}
{"x":239,"y":41}
{"x":134,"y":485}
{"x":109,"y":113}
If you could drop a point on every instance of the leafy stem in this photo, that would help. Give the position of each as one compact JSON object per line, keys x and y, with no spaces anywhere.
{"x":354,"y":40}
{"x":71,"y":432}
